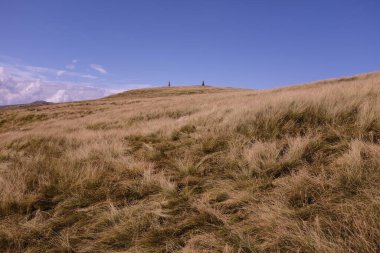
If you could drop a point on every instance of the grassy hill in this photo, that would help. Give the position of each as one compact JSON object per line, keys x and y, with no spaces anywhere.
{"x":195,"y":169}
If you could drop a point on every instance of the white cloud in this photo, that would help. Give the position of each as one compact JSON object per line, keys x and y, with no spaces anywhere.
{"x":98,"y":68}
{"x":16,"y":88}
{"x":72,"y":65}
{"x":89,"y":76}
{"x":25,"y":84}
{"x":33,"y":72}
{"x":60,"y":72}
{"x":59,"y":96}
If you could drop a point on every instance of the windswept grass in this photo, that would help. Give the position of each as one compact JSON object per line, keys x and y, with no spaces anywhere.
{"x":196,"y":169}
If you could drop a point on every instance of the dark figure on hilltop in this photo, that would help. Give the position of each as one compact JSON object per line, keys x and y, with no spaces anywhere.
{"x":169,"y":84}
{"x":203,"y":83}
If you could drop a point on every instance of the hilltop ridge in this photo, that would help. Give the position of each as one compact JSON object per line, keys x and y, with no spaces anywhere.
{"x":172,"y":91}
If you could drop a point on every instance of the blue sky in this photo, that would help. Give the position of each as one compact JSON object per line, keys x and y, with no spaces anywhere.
{"x":117,"y":45}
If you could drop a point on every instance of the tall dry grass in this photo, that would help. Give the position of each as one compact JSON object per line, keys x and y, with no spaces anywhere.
{"x":196,"y":169}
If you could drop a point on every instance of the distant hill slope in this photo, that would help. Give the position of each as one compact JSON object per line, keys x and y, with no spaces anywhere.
{"x":35,"y":103}
{"x":195,"y":169}
{"x":172,"y":91}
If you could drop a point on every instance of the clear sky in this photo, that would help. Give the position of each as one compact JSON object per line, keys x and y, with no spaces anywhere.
{"x":240,"y":43}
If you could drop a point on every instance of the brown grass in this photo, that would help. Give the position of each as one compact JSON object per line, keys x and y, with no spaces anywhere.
{"x":196,"y":169}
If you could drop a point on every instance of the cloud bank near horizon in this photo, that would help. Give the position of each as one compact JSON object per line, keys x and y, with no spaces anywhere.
{"x":14,"y":90}
{"x":26,"y":84}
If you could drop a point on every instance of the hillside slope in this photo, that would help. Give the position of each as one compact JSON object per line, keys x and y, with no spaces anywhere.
{"x":195,"y":169}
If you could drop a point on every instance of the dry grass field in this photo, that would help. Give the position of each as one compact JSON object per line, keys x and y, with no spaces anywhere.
{"x":196,"y":169}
